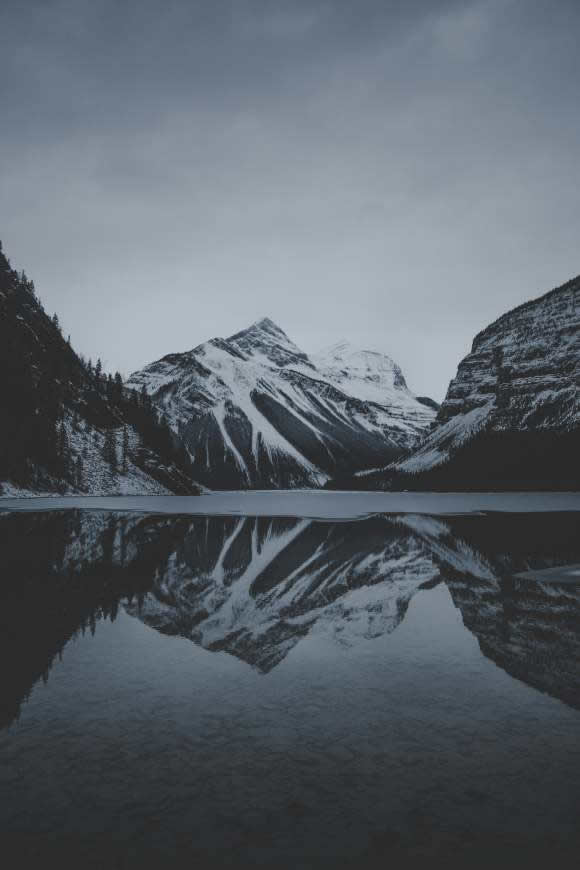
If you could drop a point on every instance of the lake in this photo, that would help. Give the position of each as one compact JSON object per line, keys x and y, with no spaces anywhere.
{"x":325,"y":685}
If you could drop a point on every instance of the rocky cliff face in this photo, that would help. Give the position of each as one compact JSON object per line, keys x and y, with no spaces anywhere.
{"x":524,"y":369}
{"x":256,"y":412}
{"x":511,"y":416}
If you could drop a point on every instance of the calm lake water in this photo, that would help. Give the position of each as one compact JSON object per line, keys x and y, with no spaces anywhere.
{"x":283,"y":692}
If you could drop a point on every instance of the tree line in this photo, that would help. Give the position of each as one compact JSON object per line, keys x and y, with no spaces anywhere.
{"x":50,"y":395}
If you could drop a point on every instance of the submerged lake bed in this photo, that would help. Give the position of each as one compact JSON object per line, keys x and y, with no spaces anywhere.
{"x":330,"y":686}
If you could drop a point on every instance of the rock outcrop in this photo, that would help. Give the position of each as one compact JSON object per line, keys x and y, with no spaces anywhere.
{"x":511,"y":417}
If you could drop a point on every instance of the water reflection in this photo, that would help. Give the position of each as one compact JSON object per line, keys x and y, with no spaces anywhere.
{"x":255,"y":587}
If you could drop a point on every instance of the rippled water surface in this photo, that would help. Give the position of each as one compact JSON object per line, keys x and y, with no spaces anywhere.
{"x":236,"y":691}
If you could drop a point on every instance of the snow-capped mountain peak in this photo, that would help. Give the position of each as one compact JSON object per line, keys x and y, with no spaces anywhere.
{"x":366,"y":373}
{"x":363,"y":362}
{"x":266,"y":341}
{"x":255,"y":411}
{"x":266,"y":324}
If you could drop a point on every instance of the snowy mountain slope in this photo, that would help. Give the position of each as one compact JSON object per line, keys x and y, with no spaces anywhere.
{"x":86,"y":442}
{"x":511,"y":417}
{"x":255,"y":412}
{"x":366,"y":374}
{"x":67,"y":426}
{"x":265,"y":341}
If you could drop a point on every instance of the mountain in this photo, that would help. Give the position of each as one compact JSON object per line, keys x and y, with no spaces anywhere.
{"x":66,"y":426}
{"x":254,"y":411}
{"x":511,"y":417}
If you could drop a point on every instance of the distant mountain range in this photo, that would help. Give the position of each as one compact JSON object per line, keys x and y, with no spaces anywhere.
{"x":255,"y":411}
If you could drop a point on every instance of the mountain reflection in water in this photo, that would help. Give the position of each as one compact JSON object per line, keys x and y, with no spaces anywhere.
{"x":254,"y":587}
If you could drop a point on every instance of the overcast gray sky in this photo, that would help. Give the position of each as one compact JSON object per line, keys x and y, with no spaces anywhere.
{"x":394,"y":172}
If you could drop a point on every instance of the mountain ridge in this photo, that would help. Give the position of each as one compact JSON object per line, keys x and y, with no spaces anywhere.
{"x":255,"y":411}
{"x":67,"y":426}
{"x":511,"y":415}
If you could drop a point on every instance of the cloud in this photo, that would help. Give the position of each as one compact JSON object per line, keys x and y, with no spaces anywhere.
{"x":397,"y":172}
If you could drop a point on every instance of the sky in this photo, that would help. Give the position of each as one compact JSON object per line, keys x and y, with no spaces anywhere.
{"x":397,"y":173}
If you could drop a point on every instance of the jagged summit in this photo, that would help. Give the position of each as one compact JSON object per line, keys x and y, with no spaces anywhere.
{"x":267,"y":324}
{"x":255,"y":411}
{"x":263,"y":325}
{"x":264,"y":339}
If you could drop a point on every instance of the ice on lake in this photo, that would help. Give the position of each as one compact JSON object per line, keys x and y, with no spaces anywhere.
{"x":309,"y":503}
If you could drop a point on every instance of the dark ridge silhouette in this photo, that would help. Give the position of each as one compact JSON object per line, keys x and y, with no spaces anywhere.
{"x":45,"y":384}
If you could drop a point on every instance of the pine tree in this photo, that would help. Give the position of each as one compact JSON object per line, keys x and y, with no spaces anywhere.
{"x":118,"y":387}
{"x":110,"y":449}
{"x":79,"y":473}
{"x":125,"y":449}
{"x":62,"y":440}
{"x":98,"y":369}
{"x":145,"y":400}
{"x":107,"y":383}
{"x":63,"y":451}
{"x":56,"y":321}
{"x":140,"y":453}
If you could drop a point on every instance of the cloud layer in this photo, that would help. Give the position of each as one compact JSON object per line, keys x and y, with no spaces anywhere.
{"x":397,"y":173}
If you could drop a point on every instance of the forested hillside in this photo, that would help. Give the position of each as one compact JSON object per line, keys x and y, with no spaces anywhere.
{"x":67,"y":426}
